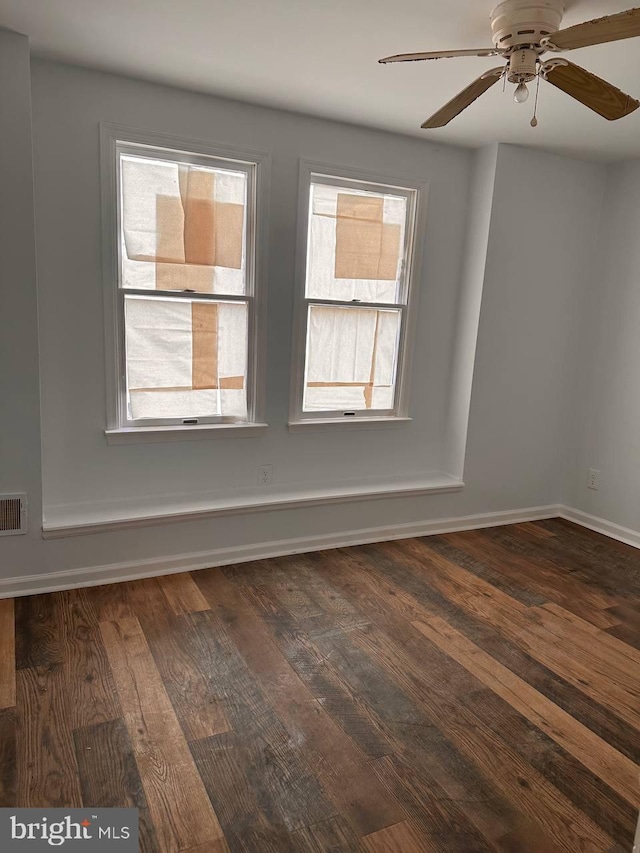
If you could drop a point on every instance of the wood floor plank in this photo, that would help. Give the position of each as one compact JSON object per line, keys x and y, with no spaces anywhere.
{"x":242,"y":797}
{"x":550,"y":775}
{"x":615,"y":769}
{"x":181,"y":811}
{"x":37,"y":632}
{"x":401,"y":838}
{"x":585,"y":553}
{"x":355,"y":574}
{"x":477,"y":597}
{"x":586,"y":791}
{"x":89,"y":688}
{"x":326,"y":599}
{"x":8,"y":759}
{"x":47,"y":769}
{"x":531,"y":528}
{"x":548,"y":555}
{"x":455,"y":777}
{"x":109,"y":776}
{"x":599,"y":720}
{"x":334,"y":835}
{"x":489,"y":636}
{"x":430,"y":763}
{"x":626,"y":634}
{"x":537,"y":798}
{"x":576,"y":783}
{"x":515,"y":584}
{"x":627,"y":629}
{"x":627,"y":614}
{"x":340,"y":765}
{"x":183,"y":594}
{"x":474,"y":692}
{"x":527,"y":839}
{"x":220,"y":846}
{"x":454,"y":826}
{"x":109,"y":602}
{"x":601,"y":619}
{"x":568,"y":627}
{"x":192,"y":689}
{"x":279,"y":763}
{"x":457,"y":584}
{"x":7,"y":654}
{"x":590,"y":675}
{"x":337,"y":698}
{"x":542,"y":575}
{"x":532,"y":790}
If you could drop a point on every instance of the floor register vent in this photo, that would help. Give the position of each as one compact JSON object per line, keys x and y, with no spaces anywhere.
{"x":13,"y":514}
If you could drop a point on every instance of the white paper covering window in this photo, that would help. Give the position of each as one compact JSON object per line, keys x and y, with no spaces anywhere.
{"x":183,"y":228}
{"x":356,"y":242}
{"x":351,"y":358}
{"x":186,"y":359}
{"x":356,"y":252}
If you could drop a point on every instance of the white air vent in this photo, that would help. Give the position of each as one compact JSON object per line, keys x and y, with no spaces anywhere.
{"x":13,"y":514}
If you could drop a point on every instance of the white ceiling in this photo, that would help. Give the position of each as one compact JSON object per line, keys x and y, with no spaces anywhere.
{"x":320,"y":57}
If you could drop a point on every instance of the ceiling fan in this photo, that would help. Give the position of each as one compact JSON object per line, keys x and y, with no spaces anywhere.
{"x":524,"y":30}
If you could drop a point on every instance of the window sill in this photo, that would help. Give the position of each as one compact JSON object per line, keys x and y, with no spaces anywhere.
{"x":197,"y":432}
{"x":347,"y":423}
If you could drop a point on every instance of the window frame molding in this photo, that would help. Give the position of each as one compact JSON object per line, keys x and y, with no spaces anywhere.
{"x":112,"y":136}
{"x":417,"y":192}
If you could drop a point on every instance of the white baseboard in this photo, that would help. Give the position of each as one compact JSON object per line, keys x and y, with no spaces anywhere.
{"x":115,"y":572}
{"x":601,"y":525}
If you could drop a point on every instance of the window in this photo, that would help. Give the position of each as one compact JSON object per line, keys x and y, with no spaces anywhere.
{"x":186,"y":314}
{"x":353,"y":316}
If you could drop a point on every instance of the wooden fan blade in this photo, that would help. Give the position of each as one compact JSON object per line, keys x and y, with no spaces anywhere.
{"x":464,"y":99}
{"x":440,"y":54}
{"x":624,"y":25}
{"x":594,"y":92}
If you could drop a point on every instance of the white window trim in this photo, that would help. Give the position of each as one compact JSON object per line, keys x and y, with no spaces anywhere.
{"x":118,"y":431}
{"x":417,"y":194}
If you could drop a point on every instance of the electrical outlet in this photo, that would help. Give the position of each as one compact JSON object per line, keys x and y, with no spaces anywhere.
{"x":265,"y":475}
{"x":593,"y":479}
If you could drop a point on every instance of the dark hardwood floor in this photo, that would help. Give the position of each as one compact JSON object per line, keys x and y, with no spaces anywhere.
{"x":475,"y":691}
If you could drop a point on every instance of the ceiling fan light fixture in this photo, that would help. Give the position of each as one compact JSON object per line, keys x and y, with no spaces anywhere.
{"x":521,"y":93}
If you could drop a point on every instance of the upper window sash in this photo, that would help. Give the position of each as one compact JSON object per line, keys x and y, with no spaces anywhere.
{"x":170,"y":185}
{"x":384,"y":281}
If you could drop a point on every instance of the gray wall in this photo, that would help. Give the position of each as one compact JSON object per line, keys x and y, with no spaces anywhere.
{"x":605,"y":427}
{"x":522,"y":365}
{"x":544,"y":222}
{"x":19,"y":375}
{"x":79,"y":468}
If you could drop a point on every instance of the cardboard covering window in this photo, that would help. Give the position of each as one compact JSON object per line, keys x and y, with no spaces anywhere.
{"x":186,"y":358}
{"x":356,"y":245}
{"x":183,"y":227}
{"x":351,"y":358}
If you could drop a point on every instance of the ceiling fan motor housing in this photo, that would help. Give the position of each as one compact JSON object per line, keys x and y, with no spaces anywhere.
{"x":522,"y":66}
{"x":515,"y":23}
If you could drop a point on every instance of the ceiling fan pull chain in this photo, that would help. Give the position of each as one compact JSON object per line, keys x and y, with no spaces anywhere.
{"x":534,"y":120}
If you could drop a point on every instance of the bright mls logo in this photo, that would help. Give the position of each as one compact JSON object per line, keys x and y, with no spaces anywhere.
{"x":70,"y":829}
